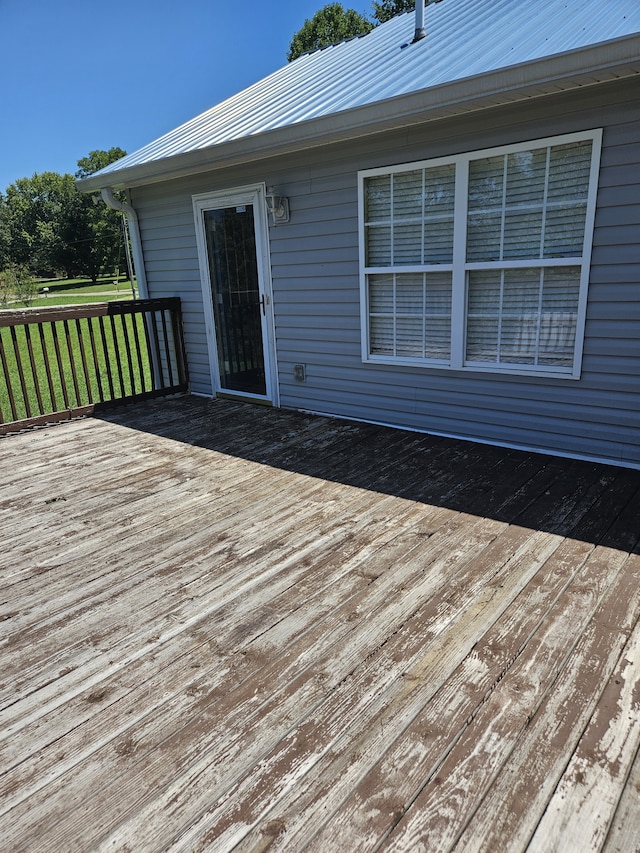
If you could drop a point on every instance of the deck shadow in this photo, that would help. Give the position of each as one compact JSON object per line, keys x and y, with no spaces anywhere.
{"x":583,"y":500}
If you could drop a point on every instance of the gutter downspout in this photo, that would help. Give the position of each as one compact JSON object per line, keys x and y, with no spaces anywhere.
{"x":136,"y":242}
{"x":138,"y":260}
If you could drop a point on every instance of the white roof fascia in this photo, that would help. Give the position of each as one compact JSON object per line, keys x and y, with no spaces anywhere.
{"x":612,"y":60}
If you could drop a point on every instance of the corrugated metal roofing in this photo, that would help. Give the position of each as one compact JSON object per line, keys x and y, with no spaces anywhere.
{"x":465,"y":38}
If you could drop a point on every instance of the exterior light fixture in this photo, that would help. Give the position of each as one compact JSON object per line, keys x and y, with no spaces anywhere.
{"x":278,"y":207}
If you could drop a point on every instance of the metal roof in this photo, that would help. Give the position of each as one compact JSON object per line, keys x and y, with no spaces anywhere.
{"x":465,"y":39}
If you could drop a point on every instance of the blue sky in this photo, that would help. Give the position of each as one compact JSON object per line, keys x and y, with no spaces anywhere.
{"x":79,"y":75}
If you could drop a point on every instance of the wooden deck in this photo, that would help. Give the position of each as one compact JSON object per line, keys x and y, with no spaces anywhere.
{"x":227,"y":627}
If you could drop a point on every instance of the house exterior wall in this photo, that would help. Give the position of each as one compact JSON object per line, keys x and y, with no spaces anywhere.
{"x":315,"y":273}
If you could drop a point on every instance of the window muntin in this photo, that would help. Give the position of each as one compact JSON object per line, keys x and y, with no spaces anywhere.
{"x":481,"y":261}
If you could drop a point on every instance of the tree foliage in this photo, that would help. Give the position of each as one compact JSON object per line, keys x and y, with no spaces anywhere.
{"x":330,"y":24}
{"x":333,"y":23}
{"x":97,"y":228}
{"x":97,"y":160}
{"x":48,"y":227}
{"x":34,"y":212}
{"x":16,"y":281}
{"x":388,"y":9}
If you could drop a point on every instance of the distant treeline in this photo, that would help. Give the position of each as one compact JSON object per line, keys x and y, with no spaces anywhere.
{"x":49,"y":228}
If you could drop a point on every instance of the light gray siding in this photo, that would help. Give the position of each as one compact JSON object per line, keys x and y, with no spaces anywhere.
{"x":314,"y":261}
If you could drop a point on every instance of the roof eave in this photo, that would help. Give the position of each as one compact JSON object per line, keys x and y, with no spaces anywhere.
{"x":597,"y":64}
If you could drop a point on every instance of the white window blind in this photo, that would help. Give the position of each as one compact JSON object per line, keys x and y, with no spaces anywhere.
{"x":505,"y":235}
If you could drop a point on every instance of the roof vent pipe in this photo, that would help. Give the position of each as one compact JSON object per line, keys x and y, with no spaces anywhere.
{"x":420,"y":33}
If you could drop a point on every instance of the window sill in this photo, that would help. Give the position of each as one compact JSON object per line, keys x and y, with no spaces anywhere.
{"x":502,"y":370}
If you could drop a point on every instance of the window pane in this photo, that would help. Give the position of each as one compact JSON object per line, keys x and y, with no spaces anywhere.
{"x":484,"y":236}
{"x":559,"y":315}
{"x":484,"y":292}
{"x":564,"y":231}
{"x":438,"y":242}
{"x":407,"y":195}
{"x":569,"y":170}
{"x":410,"y":294}
{"x":438,"y":338}
{"x":439,"y":199}
{"x":377,"y":198}
{"x":486,"y":183}
{"x":520,"y":314}
{"x":438,"y":315}
{"x":438,"y":296}
{"x":482,"y":339}
{"x":407,"y":243}
{"x":439,"y":190}
{"x":521,"y":291}
{"x":561,"y":289}
{"x":526,"y":174}
{"x":381,"y":294}
{"x":522,"y":234}
{"x":378,"y":245}
{"x":486,"y":195}
{"x":518,"y":337}
{"x":381,"y":336}
{"x":409,"y":337}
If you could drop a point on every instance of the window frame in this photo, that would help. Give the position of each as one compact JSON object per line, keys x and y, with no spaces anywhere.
{"x":460,"y":267}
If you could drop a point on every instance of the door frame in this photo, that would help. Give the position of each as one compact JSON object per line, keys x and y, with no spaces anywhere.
{"x":254,"y":195}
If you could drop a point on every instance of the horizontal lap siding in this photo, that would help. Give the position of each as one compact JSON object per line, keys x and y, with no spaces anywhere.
{"x":314,"y":261}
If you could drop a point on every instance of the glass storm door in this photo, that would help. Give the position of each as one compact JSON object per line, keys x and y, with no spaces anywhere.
{"x":239,"y":303}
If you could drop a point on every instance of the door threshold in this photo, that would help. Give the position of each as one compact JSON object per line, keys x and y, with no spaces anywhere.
{"x":243,"y":398}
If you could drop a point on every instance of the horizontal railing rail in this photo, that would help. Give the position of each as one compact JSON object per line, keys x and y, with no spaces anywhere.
{"x":71,"y":360}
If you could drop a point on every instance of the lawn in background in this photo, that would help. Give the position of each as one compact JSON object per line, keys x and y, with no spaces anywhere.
{"x":77,"y":291}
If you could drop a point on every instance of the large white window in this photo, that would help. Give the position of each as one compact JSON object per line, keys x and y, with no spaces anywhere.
{"x":480,"y":261}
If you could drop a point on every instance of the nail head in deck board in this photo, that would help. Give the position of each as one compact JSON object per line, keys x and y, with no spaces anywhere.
{"x":344,"y":600}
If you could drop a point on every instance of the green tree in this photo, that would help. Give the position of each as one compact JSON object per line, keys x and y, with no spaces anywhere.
{"x":94,"y":230}
{"x":388,"y":9}
{"x":17,"y":282}
{"x":329,"y":25}
{"x":97,"y":160}
{"x":48,"y":226}
{"x":33,"y":212}
{"x":4,"y":233}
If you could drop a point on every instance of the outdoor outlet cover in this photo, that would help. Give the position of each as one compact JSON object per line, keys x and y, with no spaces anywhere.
{"x":299,"y":372}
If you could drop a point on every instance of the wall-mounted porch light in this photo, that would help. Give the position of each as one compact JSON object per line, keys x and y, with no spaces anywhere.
{"x":278,"y":207}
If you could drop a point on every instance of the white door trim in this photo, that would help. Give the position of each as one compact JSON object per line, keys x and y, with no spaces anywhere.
{"x":254,"y":195}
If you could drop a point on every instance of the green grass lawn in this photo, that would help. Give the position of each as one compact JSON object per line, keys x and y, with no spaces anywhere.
{"x":77,"y":291}
{"x":74,"y":299}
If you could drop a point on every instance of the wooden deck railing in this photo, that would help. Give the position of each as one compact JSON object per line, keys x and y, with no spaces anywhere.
{"x":61,"y":362}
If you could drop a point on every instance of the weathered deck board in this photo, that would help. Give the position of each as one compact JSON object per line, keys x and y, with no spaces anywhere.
{"x":233,"y":627}
{"x":624,"y":833}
